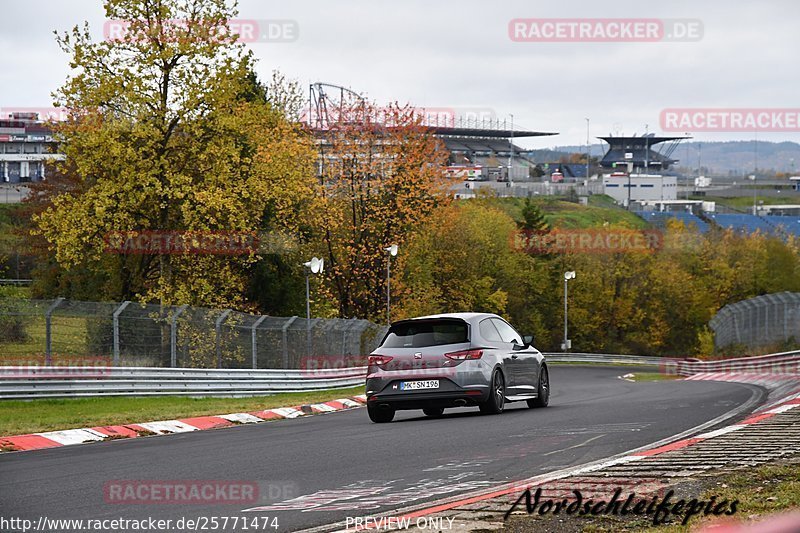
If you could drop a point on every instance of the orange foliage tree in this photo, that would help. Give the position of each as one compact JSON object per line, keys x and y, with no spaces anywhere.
{"x":381,"y":177}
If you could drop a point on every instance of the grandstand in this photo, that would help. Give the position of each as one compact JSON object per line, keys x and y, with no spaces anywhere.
{"x":660,"y":218}
{"x":775,"y":225}
{"x":481,"y":147}
{"x":487,"y":145}
{"x":640,"y":152}
{"x":768,"y":224}
{"x":788,"y":224}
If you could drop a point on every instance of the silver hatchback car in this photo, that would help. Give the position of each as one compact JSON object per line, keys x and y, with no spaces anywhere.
{"x":454,"y":360}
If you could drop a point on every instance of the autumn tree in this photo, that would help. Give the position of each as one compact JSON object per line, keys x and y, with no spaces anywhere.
{"x":168,"y":131}
{"x":382,"y":178}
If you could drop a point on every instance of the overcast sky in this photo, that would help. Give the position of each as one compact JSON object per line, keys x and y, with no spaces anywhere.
{"x":458,"y":54}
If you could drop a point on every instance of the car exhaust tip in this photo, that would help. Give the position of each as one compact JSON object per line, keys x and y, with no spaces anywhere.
{"x":460,"y":403}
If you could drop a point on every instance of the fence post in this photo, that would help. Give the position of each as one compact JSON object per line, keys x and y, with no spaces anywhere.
{"x":351,"y":323}
{"x":48,"y":350}
{"x":254,"y":341}
{"x":218,"y":328}
{"x":117,"y":312}
{"x":285,"y":341}
{"x":785,"y":320}
{"x":173,"y":337}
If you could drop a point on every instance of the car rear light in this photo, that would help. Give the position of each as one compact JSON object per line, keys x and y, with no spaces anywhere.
{"x":379,"y":359}
{"x":464,"y":355}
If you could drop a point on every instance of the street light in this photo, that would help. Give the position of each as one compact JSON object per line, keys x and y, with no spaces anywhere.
{"x":511,"y":149}
{"x":588,"y":149}
{"x":391,"y":251}
{"x":567,"y":276}
{"x":315,"y":266}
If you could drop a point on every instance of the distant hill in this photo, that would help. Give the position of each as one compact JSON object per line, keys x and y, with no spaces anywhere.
{"x":730,"y":158}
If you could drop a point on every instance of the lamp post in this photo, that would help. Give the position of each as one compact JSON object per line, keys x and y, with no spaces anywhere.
{"x":315,"y":266}
{"x":588,"y":149}
{"x":567,"y":276}
{"x":391,"y":251}
{"x":755,"y":172}
{"x":688,"y":171}
{"x":511,"y":148}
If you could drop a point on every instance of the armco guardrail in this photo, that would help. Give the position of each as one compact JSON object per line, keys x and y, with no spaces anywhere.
{"x":776,"y":363}
{"x":27,"y":382}
{"x":618,"y":359}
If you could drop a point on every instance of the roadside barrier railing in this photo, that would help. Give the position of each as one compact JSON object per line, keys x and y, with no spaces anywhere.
{"x":28,"y":382}
{"x":85,"y":381}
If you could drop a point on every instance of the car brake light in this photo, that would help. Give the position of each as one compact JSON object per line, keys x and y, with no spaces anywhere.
{"x":464,"y":355}
{"x":379,"y":359}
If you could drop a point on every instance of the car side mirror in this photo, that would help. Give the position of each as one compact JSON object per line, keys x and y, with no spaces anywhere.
{"x":528,"y":339}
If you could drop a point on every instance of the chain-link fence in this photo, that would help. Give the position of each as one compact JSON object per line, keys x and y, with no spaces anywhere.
{"x":761,"y":321}
{"x":60,"y":331}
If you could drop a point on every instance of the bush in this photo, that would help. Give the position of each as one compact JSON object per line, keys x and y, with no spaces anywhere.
{"x":12,"y":324}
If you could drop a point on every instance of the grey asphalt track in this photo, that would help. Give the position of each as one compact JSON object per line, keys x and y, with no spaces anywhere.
{"x":324,"y":468}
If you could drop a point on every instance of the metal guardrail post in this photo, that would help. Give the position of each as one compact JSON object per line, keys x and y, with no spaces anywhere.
{"x":48,"y":350}
{"x":217,"y":329}
{"x":117,"y":312}
{"x":285,"y":340}
{"x":173,"y":337}
{"x":255,"y":342}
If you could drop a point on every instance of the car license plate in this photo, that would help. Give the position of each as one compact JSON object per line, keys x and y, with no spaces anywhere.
{"x":414,"y":385}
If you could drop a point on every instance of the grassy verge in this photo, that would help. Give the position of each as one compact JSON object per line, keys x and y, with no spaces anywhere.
{"x":761,"y":492}
{"x":21,"y":417}
{"x":744,"y":202}
{"x":562,"y":214}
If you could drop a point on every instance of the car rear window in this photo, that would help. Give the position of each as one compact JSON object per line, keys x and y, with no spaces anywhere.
{"x":421,"y":333}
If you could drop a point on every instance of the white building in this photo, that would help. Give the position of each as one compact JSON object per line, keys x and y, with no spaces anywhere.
{"x":639,"y":187}
{"x":25,"y":146}
{"x":673,"y":206}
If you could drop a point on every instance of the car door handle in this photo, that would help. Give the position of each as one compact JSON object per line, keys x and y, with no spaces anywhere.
{"x":514,"y":356}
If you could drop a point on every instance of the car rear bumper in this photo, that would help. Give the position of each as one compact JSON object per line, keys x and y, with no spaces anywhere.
{"x":448,"y":395}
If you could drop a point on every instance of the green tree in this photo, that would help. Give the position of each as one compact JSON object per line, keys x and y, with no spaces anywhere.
{"x":532,"y":217}
{"x":169,"y":131}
